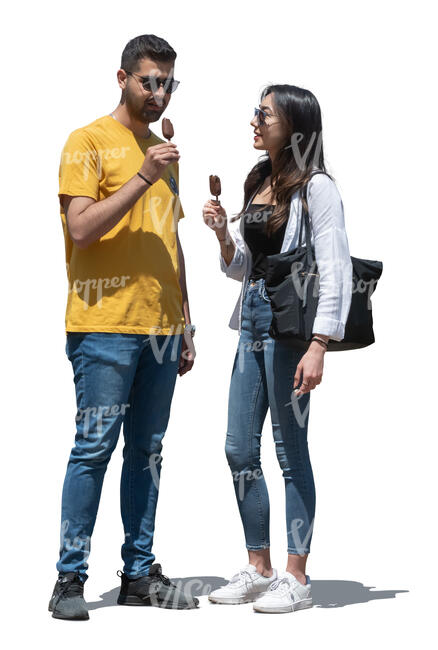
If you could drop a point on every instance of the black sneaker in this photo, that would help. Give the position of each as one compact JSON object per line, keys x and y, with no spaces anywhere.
{"x":67,"y":600}
{"x":154,"y":589}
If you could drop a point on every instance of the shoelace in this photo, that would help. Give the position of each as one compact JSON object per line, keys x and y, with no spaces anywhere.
{"x":73,"y":586}
{"x":243,"y":577}
{"x":164,"y":579}
{"x":155,"y":577}
{"x":282,"y":584}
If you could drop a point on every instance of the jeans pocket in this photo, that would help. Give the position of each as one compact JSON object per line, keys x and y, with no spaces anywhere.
{"x":73,"y":340}
{"x":263,"y":293}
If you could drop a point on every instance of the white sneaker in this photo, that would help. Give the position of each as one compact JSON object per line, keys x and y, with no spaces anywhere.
{"x":244,"y":587}
{"x":286,"y":594}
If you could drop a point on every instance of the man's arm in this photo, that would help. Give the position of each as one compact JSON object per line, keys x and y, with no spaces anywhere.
{"x":182,"y":281}
{"x":88,"y":220}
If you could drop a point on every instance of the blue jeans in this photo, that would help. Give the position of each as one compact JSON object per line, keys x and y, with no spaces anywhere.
{"x":262,"y":377}
{"x":127,"y":378}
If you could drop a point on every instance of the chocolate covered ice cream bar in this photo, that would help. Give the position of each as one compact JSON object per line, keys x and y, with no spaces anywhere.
{"x":215,"y":185}
{"x":167,"y":128}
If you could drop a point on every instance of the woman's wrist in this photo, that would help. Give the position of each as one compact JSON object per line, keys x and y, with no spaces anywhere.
{"x":223,"y":236}
{"x":319,"y":341}
{"x":317,"y":347}
{"x":225,"y":242}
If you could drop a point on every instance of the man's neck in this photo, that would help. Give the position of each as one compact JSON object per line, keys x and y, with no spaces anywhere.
{"x":139,"y":129}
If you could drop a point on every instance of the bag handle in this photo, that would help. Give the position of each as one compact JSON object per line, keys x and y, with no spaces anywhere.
{"x":305,"y":218}
{"x":252,"y":197}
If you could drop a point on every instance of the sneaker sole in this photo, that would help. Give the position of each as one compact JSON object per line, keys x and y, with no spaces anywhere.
{"x":232,"y":601}
{"x":136,"y":601}
{"x":301,"y":604}
{"x":70,"y":618}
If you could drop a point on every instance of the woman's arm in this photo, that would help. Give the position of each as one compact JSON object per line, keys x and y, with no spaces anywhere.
{"x":227,"y":247}
{"x":332,"y":257}
{"x":232,"y":254}
{"x":335,"y":270}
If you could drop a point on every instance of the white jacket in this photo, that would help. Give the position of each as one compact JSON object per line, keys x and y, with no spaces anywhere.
{"x":332,"y":255}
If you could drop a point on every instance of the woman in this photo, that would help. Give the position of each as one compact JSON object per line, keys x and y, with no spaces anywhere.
{"x":266,"y":372}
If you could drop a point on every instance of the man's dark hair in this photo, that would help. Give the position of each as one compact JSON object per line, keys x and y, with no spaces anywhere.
{"x":147,"y":46}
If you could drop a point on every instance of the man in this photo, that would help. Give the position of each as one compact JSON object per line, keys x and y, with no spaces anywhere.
{"x":127,"y":323}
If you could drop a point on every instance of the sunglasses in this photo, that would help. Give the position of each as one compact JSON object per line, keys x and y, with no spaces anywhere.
{"x":152,"y":84}
{"x":261,"y":116}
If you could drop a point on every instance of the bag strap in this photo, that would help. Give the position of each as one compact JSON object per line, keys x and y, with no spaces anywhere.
{"x":305,"y":217}
{"x":252,"y":197}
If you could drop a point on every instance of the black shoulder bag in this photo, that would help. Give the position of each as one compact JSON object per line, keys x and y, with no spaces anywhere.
{"x":292,"y":285}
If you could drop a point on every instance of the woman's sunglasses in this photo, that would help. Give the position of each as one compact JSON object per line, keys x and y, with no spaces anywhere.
{"x":261,"y":116}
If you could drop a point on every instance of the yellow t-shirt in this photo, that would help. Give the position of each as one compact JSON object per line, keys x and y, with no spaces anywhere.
{"x":126,"y":281}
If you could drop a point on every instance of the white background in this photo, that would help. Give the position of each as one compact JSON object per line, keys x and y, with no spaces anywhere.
{"x":372,"y":420}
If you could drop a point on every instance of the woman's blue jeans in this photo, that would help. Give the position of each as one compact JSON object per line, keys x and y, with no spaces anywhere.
{"x":127,"y":378}
{"x":262,"y":377}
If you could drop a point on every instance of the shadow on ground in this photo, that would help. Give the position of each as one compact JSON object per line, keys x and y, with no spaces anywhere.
{"x":325,"y":593}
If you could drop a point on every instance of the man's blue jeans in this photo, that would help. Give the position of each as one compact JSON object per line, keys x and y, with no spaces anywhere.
{"x":127,"y":378}
{"x":262,"y":378}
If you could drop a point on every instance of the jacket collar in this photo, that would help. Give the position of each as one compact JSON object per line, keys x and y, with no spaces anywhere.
{"x":290,"y":239}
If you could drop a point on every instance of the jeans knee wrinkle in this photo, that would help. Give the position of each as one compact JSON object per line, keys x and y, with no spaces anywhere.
{"x":252,"y":436}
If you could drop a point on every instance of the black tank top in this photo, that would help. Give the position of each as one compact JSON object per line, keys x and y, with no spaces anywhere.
{"x":259,"y":243}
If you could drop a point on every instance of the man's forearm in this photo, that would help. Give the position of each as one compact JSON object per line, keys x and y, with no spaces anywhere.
{"x":98,"y":218}
{"x":183,"y":283}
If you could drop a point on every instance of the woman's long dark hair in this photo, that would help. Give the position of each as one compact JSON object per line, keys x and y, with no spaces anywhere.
{"x":300,"y":113}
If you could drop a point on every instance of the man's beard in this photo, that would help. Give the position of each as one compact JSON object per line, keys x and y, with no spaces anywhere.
{"x":142,"y":112}
{"x":150,"y":115}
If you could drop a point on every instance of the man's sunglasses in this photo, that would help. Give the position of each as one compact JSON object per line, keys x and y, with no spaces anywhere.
{"x":152,"y":84}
